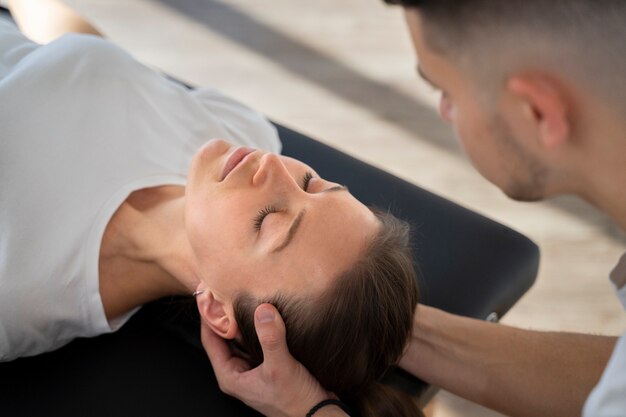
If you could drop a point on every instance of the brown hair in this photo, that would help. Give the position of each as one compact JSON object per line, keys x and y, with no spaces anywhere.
{"x":349,"y":336}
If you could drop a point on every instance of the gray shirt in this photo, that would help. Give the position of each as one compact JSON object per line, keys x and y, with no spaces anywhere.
{"x":83,"y":126}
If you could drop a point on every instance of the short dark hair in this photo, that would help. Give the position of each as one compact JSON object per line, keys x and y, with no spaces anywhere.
{"x":582,"y":39}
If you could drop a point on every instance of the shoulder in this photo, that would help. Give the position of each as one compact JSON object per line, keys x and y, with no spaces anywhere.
{"x":66,"y":59}
{"x":72,"y":55}
{"x":79,"y":50}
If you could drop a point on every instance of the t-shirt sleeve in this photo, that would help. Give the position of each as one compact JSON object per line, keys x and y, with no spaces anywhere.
{"x":608,"y":398}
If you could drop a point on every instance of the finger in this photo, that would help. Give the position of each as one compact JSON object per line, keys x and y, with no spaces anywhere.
{"x":270,"y":330}
{"x":219,"y":353}
{"x":227,"y":368}
{"x":215,"y":346}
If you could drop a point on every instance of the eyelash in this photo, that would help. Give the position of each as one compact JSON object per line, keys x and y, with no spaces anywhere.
{"x":306,"y":179}
{"x":258,"y":219}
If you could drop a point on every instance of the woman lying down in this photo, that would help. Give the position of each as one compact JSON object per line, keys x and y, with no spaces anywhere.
{"x":113,"y":195}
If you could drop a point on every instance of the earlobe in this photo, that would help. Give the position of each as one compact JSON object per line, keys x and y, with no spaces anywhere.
{"x":217,"y":315}
{"x":546,"y":106}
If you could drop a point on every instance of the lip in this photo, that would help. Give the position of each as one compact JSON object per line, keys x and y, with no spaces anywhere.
{"x":234,"y":159}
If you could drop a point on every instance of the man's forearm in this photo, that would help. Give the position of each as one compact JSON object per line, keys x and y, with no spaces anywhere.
{"x":514,"y":371}
{"x":45,"y":20}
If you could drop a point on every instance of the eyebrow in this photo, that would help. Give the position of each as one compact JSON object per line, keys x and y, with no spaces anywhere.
{"x":335,"y":188}
{"x":425,"y":77}
{"x":298,"y":220}
{"x":291,"y":232}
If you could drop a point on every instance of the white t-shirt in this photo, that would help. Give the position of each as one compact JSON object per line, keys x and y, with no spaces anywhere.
{"x":608,"y":398}
{"x":82,"y":125}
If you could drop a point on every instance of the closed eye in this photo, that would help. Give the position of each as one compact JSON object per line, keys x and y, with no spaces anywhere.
{"x":306,"y":179}
{"x":257,"y":222}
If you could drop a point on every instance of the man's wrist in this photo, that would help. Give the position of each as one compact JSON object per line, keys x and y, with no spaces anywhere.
{"x":304,"y":404}
{"x":331,"y":410}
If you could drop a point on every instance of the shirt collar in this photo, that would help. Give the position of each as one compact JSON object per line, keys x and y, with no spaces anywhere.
{"x":618,"y":274}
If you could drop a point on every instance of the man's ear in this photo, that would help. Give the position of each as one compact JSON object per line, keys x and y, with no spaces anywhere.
{"x":545,"y":105}
{"x":218,"y":315}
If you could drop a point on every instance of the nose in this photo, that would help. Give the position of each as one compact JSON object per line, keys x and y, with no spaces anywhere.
{"x":446,"y":108}
{"x":273,"y":171}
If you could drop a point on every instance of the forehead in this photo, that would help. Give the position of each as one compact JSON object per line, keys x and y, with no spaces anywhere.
{"x":425,"y":54}
{"x":434,"y":66}
{"x":332,"y":237}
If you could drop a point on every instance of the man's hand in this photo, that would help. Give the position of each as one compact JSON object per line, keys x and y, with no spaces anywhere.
{"x":280,"y":386}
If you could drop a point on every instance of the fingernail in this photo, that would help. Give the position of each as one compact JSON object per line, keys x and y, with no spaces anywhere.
{"x":265,"y":315}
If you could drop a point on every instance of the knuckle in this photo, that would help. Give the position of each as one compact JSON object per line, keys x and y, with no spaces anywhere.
{"x":223,"y":387}
{"x":273,"y":375}
{"x":270,"y":341}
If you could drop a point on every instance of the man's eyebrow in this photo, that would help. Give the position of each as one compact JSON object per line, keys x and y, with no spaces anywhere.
{"x":425,"y":77}
{"x":298,"y":220}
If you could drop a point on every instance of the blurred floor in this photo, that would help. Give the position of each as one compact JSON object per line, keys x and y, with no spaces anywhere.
{"x":343,"y":72}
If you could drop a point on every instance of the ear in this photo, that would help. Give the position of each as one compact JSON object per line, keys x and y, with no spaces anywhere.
{"x":545,"y":105}
{"x":218,"y":315}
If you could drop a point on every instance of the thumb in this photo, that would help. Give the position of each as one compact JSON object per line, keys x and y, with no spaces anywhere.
{"x":270,"y":330}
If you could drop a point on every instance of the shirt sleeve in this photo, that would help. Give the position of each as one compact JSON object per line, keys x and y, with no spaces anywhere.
{"x":608,"y":398}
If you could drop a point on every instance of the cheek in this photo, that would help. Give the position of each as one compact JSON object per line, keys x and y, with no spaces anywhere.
{"x":215,"y":225}
{"x":465,"y":128}
{"x":220,"y":240}
{"x":198,"y":225}
{"x":476,"y":139}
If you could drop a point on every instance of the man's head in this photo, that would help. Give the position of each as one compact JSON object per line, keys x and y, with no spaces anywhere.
{"x":526,"y":83}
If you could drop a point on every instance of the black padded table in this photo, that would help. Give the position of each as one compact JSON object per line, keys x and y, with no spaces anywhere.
{"x":155,"y":366}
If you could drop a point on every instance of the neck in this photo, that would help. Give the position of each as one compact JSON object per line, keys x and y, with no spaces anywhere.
{"x":603,"y":170}
{"x":145,"y":253}
{"x":610,"y":198}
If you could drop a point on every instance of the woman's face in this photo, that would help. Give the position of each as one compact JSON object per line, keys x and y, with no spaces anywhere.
{"x":266,"y":224}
